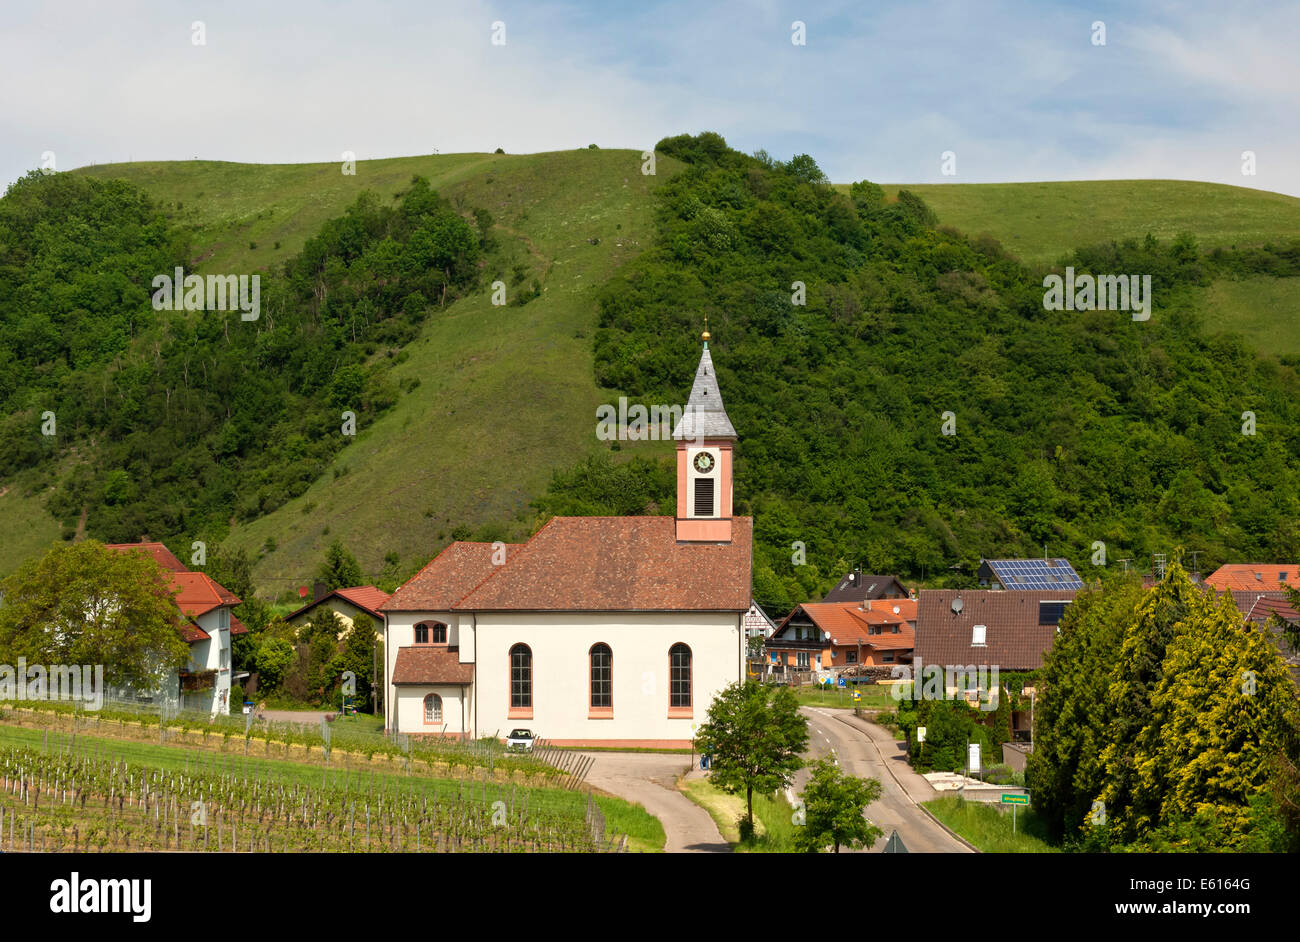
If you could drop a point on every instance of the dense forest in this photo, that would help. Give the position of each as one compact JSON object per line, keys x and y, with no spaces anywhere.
{"x":1071,"y":427}
{"x":174,"y":423}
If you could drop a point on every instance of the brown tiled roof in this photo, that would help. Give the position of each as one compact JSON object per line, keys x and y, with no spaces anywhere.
{"x":1252,"y":577}
{"x":365,"y":597}
{"x":1013,"y":638}
{"x":192,"y":633}
{"x":237,"y":627}
{"x":161,"y":554}
{"x":447,"y":578}
{"x":619,"y":564}
{"x":848,"y":623}
{"x":431,"y":664}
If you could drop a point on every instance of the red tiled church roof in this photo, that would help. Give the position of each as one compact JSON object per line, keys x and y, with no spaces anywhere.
{"x":431,"y":664}
{"x":447,"y":578}
{"x":620,"y":564}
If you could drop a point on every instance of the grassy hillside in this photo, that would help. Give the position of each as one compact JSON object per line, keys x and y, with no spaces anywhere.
{"x":1040,"y":222}
{"x":506,"y":394}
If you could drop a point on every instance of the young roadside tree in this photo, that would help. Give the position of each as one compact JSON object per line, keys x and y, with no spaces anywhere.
{"x":340,"y":569}
{"x":753,"y":736}
{"x":86,"y":604}
{"x":834,"y":806}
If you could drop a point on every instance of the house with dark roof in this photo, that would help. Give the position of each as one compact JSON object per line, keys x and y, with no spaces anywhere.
{"x":348,"y":604}
{"x":858,"y":586}
{"x":1028,"y":574}
{"x":208,"y":624}
{"x":615,"y":631}
{"x":1003,"y":628}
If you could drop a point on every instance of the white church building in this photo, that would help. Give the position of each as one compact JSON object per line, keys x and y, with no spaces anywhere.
{"x":611,"y":631}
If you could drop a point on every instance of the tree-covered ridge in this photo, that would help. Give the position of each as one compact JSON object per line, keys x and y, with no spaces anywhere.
{"x":1071,"y":427}
{"x":172,"y":423}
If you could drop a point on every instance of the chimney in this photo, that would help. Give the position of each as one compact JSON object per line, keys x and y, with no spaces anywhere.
{"x":319,"y":591}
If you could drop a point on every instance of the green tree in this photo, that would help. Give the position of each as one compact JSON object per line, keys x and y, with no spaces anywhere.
{"x":1071,"y":719}
{"x":834,"y":806}
{"x":86,"y":604}
{"x":340,"y":569}
{"x":358,"y":656}
{"x":274,"y":657}
{"x":753,"y":736}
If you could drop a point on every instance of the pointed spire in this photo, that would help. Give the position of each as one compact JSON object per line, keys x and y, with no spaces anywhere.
{"x":704,"y":415}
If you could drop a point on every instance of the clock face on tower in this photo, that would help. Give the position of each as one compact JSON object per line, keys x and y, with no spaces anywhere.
{"x":704,"y":462}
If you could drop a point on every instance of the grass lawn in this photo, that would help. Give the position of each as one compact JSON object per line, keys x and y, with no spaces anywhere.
{"x":645,"y":833}
{"x":989,"y":828}
{"x":874,"y":697}
{"x":774,"y":828}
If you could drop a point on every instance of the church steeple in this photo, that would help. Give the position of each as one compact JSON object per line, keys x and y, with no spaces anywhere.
{"x":705,"y":438}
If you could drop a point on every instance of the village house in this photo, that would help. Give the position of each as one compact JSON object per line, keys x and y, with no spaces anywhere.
{"x":1253,"y":577}
{"x":347,"y":604}
{"x":1028,"y":574}
{"x":857,"y":586}
{"x":208,"y":626}
{"x":833,"y":636}
{"x":613,"y":631}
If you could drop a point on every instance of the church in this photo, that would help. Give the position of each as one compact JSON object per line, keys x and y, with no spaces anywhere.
{"x":600,"y":631}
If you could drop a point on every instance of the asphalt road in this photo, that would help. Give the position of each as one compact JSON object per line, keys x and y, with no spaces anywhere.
{"x":650,"y":779}
{"x":870,"y":751}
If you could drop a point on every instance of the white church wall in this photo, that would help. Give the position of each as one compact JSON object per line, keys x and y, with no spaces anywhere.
{"x":560,"y":644}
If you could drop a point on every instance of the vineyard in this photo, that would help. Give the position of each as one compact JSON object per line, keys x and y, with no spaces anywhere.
{"x":66,"y":797}
{"x":326,"y":744}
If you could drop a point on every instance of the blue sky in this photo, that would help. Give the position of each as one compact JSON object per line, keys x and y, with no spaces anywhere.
{"x":1017,"y":90}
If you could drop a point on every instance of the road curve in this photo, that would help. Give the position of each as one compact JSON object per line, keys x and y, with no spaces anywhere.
{"x":869,"y":751}
{"x":650,"y":779}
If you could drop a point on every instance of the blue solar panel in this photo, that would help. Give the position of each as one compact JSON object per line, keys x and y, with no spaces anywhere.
{"x":1035,"y":573}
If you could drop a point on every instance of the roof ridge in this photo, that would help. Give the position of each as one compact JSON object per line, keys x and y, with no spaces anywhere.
{"x":497,"y":570}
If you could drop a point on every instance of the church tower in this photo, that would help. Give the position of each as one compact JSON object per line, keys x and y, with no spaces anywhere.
{"x":705,"y":440}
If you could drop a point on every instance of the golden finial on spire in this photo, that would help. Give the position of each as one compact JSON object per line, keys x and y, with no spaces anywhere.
{"x":705,"y":336}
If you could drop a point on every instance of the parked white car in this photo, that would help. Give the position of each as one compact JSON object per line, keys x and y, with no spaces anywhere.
{"x":519,"y":740}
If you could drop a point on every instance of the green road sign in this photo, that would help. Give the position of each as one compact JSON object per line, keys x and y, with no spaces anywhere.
{"x":1015,"y":799}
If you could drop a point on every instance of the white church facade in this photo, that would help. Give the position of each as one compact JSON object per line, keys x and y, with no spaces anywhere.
{"x":612,"y":631}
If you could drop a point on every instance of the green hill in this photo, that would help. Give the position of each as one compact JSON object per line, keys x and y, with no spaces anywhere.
{"x":1040,"y":222}
{"x":504,"y":393}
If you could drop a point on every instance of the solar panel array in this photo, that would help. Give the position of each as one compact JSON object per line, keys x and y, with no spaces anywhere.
{"x":1035,"y":573}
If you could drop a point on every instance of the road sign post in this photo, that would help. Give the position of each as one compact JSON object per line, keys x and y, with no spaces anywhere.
{"x":1015,"y":801}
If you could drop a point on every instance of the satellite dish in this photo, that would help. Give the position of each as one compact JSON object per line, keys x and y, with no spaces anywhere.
{"x":956,"y":606}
